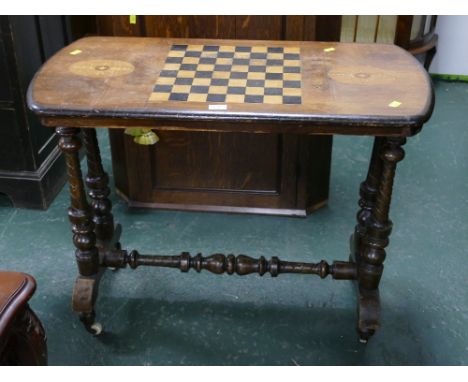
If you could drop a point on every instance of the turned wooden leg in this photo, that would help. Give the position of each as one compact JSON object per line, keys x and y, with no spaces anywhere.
{"x":97,"y":181}
{"x":373,"y":230}
{"x":84,"y":238}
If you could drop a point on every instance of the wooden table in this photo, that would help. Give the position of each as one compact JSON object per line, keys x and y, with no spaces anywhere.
{"x":295,"y":87}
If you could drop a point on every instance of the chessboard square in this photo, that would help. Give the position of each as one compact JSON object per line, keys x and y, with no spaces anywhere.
{"x":292,"y":56}
{"x":274,"y":91}
{"x":275,"y":50}
{"x":173,"y":60}
{"x":258,"y":56}
{"x":176,"y":53}
{"x":181,"y":88}
{"x":237,"y":82}
{"x":292,"y":76}
{"x":209,"y":54}
{"x":292,"y":49}
{"x":162,"y":88}
{"x":240,"y":68}
{"x":272,"y":62}
{"x":274,"y":69}
{"x":211,"y":48}
{"x":259,"y":49}
{"x":235,"y":98}
{"x":186,"y":73}
{"x":292,"y":63}
{"x":256,"y":76}
{"x":257,"y":69}
{"x":240,"y":61}
{"x":291,"y":92}
{"x":253,"y":99}
{"x":291,"y":84}
{"x":222,"y":68}
{"x":159,"y":97}
{"x":273,"y":99}
{"x":178,"y":97}
{"x":238,"y":75}
{"x":241,"y":55}
{"x":223,"y":61}
{"x":217,"y":89}
{"x":256,"y":83}
{"x":198,"y":89}
{"x":191,"y":53}
{"x":221,"y":75}
{"x":227,"y":49}
{"x":191,"y":60}
{"x":179,"y":47}
{"x":201,"y":81}
{"x":226,"y":54}
{"x":288,"y":100}
{"x":255,"y":91}
{"x":292,"y":69}
{"x":188,"y":67}
{"x":195,"y":48}
{"x":183,"y":81}
{"x":203,"y":74}
{"x":219,"y":82}
{"x":166,"y":81}
{"x":168,"y":73}
{"x":195,"y":97}
{"x":243,"y":48}
{"x":274,"y":83}
{"x":258,"y":62}
{"x":207,"y":60}
{"x":172,"y":66}
{"x":274,"y":76}
{"x":216,"y":98}
{"x":206,"y":67}
{"x":236,"y":90}
{"x":275,"y":56}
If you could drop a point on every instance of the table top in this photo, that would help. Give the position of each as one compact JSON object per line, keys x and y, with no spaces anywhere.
{"x":308,"y":83}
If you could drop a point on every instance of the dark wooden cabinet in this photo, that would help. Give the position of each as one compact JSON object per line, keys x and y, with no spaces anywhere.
{"x":234,"y":172}
{"x":32,"y":170}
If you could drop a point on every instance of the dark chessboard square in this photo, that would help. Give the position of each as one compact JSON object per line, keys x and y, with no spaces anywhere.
{"x":253,"y":99}
{"x":274,"y":62}
{"x":240,"y":61}
{"x":199,"y":89}
{"x":179,"y":47}
{"x":162,"y":88}
{"x":256,"y":83}
{"x":274,"y":76}
{"x":188,"y":67}
{"x":203,"y":74}
{"x":168,"y":73}
{"x":222,"y":68}
{"x":243,"y":48}
{"x":292,"y":56}
{"x":207,"y":60}
{"x":273,"y":91}
{"x":219,"y":82}
{"x":291,"y":69}
{"x":174,"y":60}
{"x":238,"y":75}
{"x":275,"y":50}
{"x":292,"y":100}
{"x":178,"y":97}
{"x":291,"y":84}
{"x":183,"y":81}
{"x":211,"y":48}
{"x":257,"y":68}
{"x":225,"y":54}
{"x":216,"y":98}
{"x":258,"y":56}
{"x":192,"y":53}
{"x":236,"y":90}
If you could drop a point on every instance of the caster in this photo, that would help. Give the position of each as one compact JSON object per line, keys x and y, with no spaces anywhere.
{"x":96,"y":329}
{"x":365,"y":336}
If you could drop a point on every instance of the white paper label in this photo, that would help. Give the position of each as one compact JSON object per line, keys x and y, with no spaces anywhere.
{"x":217,"y":107}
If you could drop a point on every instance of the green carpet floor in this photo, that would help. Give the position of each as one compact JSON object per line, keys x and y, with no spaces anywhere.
{"x":162,"y":317}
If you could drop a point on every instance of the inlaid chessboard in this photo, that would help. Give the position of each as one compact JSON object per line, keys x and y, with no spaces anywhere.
{"x":230,"y":74}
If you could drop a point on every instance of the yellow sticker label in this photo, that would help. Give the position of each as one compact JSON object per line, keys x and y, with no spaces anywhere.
{"x":331,"y":49}
{"x":75,"y":52}
{"x":132,"y":19}
{"x":394,"y":104}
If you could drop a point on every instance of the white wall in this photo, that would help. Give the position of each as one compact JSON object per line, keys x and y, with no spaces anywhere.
{"x":452,"y":49}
